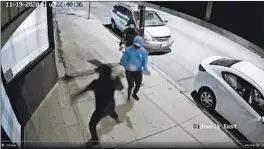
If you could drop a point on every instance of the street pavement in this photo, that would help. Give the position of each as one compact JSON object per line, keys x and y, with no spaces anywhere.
{"x":164,"y":117}
{"x":192,"y":44}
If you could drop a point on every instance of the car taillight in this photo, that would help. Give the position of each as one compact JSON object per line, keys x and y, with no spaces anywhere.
{"x":201,"y":68}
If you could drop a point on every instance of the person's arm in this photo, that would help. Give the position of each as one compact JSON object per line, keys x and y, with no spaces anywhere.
{"x":124,"y":58}
{"x":89,"y":87}
{"x":145,"y":60}
{"x":123,"y":38}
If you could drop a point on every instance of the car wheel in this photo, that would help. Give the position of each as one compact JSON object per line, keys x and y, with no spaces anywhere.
{"x":113,"y":25}
{"x":207,"y":98}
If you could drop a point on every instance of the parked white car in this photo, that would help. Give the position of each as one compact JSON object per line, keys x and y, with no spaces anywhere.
{"x":235,"y":89}
{"x":157,"y":35}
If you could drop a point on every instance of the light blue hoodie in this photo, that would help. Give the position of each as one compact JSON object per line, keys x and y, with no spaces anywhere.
{"x":135,"y":59}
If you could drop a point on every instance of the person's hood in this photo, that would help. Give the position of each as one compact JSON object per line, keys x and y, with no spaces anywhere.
{"x":104,"y":70}
{"x":138,"y":41}
{"x":158,"y":31}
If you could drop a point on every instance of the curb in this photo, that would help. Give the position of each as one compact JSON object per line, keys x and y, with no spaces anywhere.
{"x":62,"y":72}
{"x":59,"y":61}
{"x":239,"y":40}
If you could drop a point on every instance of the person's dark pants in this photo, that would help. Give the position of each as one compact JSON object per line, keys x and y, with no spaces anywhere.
{"x":95,"y":119}
{"x":133,"y":76}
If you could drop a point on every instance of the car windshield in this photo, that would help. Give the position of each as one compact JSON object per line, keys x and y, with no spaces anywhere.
{"x":151,"y":18}
{"x":225,"y":62}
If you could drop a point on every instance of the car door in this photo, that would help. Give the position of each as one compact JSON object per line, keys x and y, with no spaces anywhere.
{"x":129,"y":15}
{"x":244,"y":116}
{"x":229,"y":102}
{"x":256,"y":102}
{"x":117,"y":16}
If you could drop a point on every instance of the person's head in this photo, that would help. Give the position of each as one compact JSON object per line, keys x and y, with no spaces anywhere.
{"x":138,"y":42}
{"x":104,"y":70}
{"x":131,"y":24}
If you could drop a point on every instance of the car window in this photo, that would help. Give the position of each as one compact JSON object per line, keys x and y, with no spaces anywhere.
{"x":115,"y":8}
{"x":122,"y":9}
{"x":121,"y":13}
{"x":225,"y":62}
{"x":257,"y":101}
{"x":241,"y":86}
{"x":247,"y":91}
{"x":129,"y":15}
{"x":151,"y":18}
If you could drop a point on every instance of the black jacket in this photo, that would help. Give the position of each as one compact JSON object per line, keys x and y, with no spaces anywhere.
{"x":129,"y":36}
{"x":104,"y":89}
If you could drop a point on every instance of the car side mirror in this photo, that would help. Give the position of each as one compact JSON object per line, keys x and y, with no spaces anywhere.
{"x":165,"y":21}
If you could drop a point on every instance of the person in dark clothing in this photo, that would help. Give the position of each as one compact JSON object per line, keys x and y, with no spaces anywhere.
{"x":128,"y":35}
{"x":104,"y":88}
{"x":135,"y":59}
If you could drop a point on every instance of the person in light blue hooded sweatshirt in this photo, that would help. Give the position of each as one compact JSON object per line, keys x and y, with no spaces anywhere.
{"x":135,"y":61}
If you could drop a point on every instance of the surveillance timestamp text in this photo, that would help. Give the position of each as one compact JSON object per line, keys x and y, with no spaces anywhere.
{"x":214,"y":126}
{"x":32,"y":4}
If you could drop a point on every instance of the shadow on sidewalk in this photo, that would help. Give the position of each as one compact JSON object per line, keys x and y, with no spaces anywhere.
{"x":107,"y":124}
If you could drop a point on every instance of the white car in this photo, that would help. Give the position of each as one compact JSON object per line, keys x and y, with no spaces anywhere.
{"x":157,"y":35}
{"x":234,"y":89}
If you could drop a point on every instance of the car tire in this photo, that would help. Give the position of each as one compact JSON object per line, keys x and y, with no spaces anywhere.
{"x":207,"y":98}
{"x":113,"y":25}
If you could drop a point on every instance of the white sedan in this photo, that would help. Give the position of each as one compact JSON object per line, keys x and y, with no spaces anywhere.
{"x":234,"y":89}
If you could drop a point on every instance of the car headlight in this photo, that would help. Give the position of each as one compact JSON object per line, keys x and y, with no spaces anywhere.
{"x":147,"y":37}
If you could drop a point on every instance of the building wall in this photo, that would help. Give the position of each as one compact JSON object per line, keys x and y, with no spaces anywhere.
{"x":29,"y":57}
{"x":11,"y":18}
{"x":9,"y":122}
{"x":29,"y":89}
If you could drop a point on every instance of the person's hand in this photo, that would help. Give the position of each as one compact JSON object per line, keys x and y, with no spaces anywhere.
{"x":122,"y":47}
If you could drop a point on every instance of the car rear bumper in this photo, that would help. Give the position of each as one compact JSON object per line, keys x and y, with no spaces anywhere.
{"x":156,"y":45}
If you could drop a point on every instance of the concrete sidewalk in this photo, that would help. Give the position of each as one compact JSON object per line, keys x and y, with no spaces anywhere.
{"x":163,"y":117}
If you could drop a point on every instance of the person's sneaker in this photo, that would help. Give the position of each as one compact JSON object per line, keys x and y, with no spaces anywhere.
{"x":135,"y":97}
